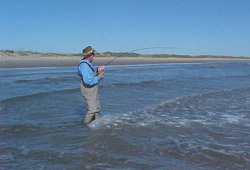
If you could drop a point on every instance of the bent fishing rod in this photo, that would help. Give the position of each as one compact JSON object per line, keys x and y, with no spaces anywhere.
{"x":139,"y":49}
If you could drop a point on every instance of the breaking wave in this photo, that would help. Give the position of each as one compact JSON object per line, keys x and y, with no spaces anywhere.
{"x":207,"y":108}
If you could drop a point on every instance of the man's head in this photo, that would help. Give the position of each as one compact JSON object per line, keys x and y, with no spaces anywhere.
{"x":88,"y":53}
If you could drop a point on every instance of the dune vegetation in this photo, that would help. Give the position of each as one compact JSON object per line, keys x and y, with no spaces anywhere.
{"x":11,"y":53}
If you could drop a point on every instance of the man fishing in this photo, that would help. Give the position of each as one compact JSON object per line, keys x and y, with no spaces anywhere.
{"x":90,"y":76}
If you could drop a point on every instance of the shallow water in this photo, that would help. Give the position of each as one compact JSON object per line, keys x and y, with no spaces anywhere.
{"x":167,"y":116}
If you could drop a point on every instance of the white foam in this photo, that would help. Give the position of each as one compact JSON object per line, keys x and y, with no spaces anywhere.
{"x":231,"y":118}
{"x":105,"y":121}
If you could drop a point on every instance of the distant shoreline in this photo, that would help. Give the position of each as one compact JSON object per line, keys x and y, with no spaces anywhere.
{"x":24,"y":59}
{"x":26,"y":62}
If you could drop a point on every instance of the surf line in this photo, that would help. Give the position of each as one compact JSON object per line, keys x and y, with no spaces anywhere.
{"x":140,"y":49}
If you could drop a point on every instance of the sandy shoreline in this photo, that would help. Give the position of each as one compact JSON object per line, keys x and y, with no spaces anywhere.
{"x":25,"y":62}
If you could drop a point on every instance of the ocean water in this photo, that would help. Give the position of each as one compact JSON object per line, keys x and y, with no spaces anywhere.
{"x":166,"y":116}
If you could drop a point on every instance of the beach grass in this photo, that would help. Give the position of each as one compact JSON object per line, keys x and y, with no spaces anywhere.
{"x":12,"y":53}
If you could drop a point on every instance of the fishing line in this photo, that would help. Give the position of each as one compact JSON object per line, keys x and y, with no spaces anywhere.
{"x":139,"y":49}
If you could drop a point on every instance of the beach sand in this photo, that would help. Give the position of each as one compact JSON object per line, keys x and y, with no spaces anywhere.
{"x":24,"y":62}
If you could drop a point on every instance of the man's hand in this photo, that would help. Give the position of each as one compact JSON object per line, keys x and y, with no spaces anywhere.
{"x":100,"y":69}
{"x":101,"y":75}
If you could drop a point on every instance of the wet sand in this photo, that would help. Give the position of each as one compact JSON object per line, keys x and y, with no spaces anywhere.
{"x":24,"y":62}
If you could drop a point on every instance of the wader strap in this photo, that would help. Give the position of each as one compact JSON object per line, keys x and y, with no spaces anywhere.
{"x":87,"y":64}
{"x":80,"y":76}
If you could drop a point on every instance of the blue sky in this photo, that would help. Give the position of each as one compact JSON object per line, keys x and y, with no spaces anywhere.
{"x":215,"y":27}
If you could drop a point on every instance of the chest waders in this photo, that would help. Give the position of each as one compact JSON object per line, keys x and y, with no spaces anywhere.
{"x":91,"y":96}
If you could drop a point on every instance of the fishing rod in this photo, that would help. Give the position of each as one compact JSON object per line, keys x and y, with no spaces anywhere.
{"x":139,"y":49}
